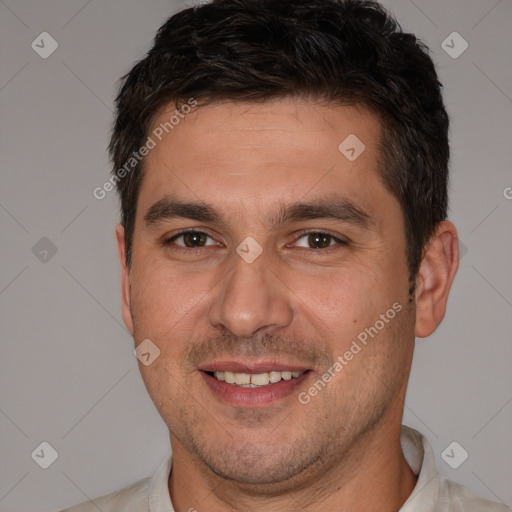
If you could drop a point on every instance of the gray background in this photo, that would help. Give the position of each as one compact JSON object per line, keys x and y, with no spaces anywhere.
{"x":68,"y":375}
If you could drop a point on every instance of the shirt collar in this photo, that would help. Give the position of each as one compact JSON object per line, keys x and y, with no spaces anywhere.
{"x":421,"y":459}
{"x":159,"y":499}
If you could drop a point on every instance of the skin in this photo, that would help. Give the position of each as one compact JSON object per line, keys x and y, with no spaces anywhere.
{"x":296,"y":303}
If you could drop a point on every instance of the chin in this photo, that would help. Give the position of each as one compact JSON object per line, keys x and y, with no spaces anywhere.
{"x":254,"y":467}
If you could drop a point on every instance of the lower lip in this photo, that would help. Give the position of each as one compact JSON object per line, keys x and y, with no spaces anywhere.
{"x":251,"y":397}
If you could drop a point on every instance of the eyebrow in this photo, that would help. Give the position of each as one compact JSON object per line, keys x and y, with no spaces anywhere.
{"x":335,"y":208}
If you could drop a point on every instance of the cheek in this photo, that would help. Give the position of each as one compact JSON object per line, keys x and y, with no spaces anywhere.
{"x":343,"y":302}
{"x":159,"y":296}
{"x":169,"y":307}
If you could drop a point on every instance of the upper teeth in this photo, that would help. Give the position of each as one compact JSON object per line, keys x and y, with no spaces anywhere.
{"x":249,"y":380}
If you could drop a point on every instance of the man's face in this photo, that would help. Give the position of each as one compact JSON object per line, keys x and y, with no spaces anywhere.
{"x":327,"y":270}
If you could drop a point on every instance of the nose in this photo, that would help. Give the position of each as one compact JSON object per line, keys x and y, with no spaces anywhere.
{"x":251,"y":298}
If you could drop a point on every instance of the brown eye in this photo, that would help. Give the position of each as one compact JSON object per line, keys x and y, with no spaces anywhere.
{"x":191,"y":239}
{"x":194,"y":239}
{"x":319,"y":240}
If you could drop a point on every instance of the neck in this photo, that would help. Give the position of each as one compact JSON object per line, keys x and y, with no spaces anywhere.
{"x":373,"y":475}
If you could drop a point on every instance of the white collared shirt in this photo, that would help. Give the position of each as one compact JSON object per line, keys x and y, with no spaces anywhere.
{"x":432,"y":492}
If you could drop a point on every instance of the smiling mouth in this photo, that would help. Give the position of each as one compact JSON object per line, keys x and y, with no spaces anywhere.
{"x":254,"y":380}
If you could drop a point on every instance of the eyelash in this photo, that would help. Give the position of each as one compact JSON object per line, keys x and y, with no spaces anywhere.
{"x":340,"y":242}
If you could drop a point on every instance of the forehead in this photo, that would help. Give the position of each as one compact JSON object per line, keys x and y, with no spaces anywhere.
{"x":299,"y":122}
{"x":253,"y":153}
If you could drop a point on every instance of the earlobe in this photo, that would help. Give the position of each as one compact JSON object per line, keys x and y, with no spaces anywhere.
{"x":125,"y":279}
{"x":435,"y":277}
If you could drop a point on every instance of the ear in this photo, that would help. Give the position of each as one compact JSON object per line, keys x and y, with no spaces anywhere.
{"x":436,"y":273}
{"x":125,"y":278}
